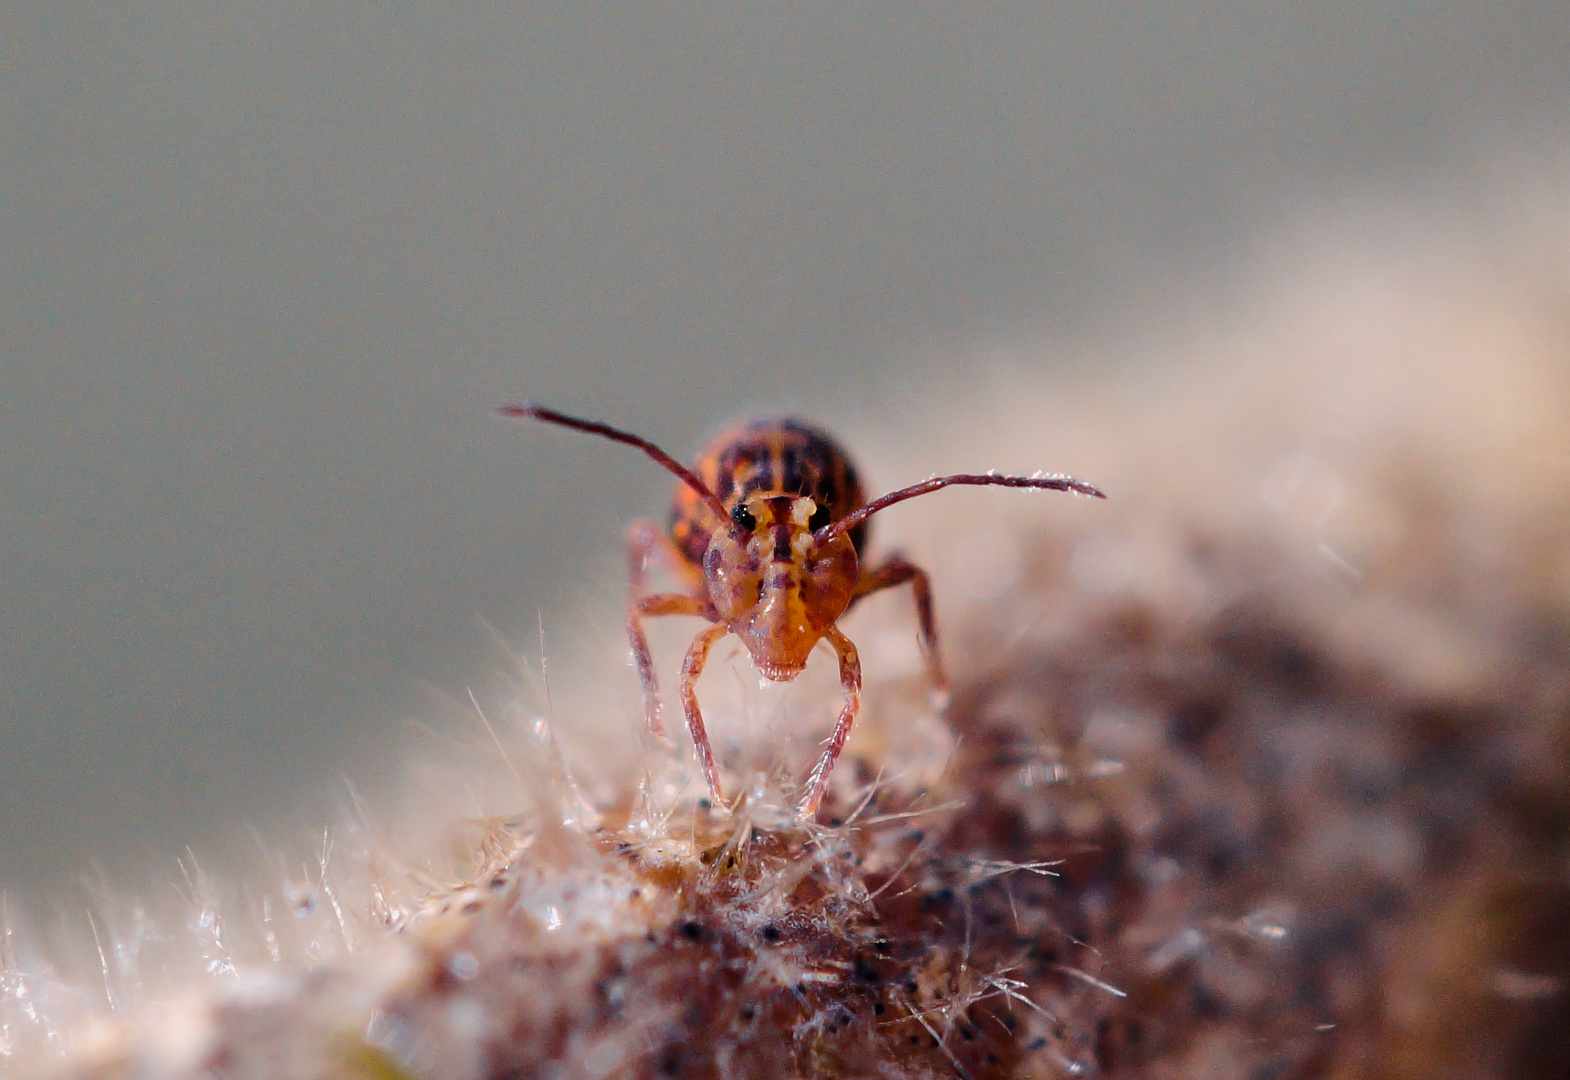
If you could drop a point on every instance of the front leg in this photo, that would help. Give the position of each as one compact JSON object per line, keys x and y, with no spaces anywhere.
{"x":896,"y":571}
{"x":659,"y":604}
{"x":691,"y":668}
{"x":850,"y":680}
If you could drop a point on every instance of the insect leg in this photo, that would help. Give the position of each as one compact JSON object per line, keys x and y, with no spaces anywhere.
{"x":850,"y":679}
{"x":896,"y":570}
{"x":645,"y":539}
{"x":691,"y":668}
{"x":659,"y":604}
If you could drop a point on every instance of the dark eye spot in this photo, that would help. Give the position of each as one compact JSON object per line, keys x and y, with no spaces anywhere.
{"x":819,"y":518}
{"x":743,"y":517}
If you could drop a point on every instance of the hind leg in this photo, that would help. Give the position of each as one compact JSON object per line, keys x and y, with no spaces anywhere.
{"x":896,"y":570}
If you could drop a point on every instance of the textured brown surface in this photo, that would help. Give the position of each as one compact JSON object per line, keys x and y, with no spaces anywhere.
{"x":1291,"y":865}
{"x":1261,"y":771}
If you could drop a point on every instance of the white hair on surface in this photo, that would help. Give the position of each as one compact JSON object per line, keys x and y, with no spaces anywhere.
{"x":1275,"y":734}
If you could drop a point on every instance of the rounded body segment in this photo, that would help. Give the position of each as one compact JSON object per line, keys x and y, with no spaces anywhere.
{"x":769,"y":527}
{"x":766,"y":457}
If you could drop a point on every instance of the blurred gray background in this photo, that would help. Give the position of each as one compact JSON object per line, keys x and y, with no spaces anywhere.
{"x":265,"y":269}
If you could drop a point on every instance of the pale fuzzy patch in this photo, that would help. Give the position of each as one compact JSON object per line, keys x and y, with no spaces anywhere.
{"x":1338,"y":411}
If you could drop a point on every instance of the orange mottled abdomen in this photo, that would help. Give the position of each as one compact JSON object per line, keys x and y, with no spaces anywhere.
{"x":766,"y":457}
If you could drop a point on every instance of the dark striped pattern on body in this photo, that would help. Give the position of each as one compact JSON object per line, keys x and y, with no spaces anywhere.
{"x":767,"y":457}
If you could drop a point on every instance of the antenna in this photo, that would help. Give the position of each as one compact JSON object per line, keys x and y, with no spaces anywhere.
{"x":531,"y":411}
{"x":1039,"y":483}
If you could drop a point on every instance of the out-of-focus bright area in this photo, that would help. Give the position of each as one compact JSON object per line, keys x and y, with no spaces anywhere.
{"x":265,"y":269}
